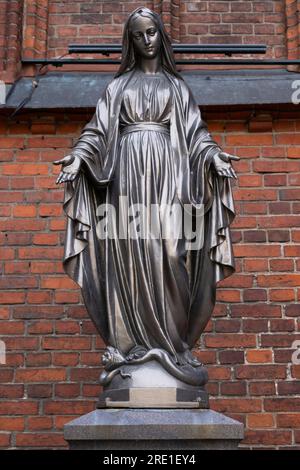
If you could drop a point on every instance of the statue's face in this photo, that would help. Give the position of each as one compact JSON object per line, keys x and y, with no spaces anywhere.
{"x":146,"y":37}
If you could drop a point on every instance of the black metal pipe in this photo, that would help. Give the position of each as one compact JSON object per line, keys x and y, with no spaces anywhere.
{"x":262,"y":62}
{"x":227,"y":49}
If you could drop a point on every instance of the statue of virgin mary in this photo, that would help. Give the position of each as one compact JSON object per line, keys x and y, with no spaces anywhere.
{"x":150,"y":297}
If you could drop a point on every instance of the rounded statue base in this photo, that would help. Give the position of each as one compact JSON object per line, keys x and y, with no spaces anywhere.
{"x":149,"y":385}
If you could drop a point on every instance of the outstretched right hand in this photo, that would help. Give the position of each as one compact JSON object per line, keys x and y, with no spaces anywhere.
{"x":70,"y":168}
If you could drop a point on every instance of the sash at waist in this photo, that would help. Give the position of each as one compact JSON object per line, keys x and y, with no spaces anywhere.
{"x":145,"y":126}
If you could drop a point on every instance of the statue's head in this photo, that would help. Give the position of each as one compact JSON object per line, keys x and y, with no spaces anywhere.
{"x":145,"y":36}
{"x":145,"y":33}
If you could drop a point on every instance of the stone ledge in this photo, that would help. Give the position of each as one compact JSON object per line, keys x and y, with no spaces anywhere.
{"x":77,"y":90}
{"x":153,"y":429}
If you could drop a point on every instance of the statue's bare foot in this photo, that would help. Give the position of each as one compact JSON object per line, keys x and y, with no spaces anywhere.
{"x":190,"y":359}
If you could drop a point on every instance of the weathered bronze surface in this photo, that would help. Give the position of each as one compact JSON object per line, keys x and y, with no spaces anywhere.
{"x":149,"y":297}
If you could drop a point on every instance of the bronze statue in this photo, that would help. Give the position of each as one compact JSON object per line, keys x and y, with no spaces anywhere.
{"x":149,"y":297}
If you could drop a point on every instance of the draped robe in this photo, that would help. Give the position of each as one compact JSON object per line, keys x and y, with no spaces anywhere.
{"x":85,"y":258}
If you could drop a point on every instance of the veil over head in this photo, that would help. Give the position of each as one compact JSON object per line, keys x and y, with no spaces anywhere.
{"x":128,"y":61}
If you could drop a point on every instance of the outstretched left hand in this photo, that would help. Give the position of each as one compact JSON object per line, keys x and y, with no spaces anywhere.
{"x":222,"y":165}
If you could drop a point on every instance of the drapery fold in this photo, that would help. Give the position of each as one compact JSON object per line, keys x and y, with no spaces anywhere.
{"x":85,"y":258}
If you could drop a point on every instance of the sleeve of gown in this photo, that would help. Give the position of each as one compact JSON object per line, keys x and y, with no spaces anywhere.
{"x":82,"y":248}
{"x":215,"y":260}
{"x":207,"y":187}
{"x":91,"y":146}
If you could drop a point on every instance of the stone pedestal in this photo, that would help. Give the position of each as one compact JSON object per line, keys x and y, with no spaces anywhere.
{"x":153,"y":429}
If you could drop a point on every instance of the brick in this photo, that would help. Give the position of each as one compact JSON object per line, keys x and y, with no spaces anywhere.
{"x":39,"y":423}
{"x":282,"y":404}
{"x":229,"y":340}
{"x":50,"y":210}
{"x":66,"y":343}
{"x":226,"y":326}
{"x":260,"y":310}
{"x":39,"y":390}
{"x":42,"y":267}
{"x":45,"y":239}
{"x":282,"y":280}
{"x":279,"y":208}
{"x":18,"y":408}
{"x":12,"y":423}
{"x":20,"y":343}
{"x":60,"y":420}
{"x":278,"y":340}
{"x":255,"y":325}
{"x":25,"y":169}
{"x":256,"y":250}
{"x":18,"y":225}
{"x":282,"y":265}
{"x":38,"y":312}
{"x":266,"y":437}
{"x":93,"y":390}
{"x":66,"y":407}
{"x":66,"y":297}
{"x":11,"y":297}
{"x":292,"y":310}
{"x":38,"y":359}
{"x":256,"y":265}
{"x":255,"y":195}
{"x":254,"y":295}
{"x":236,"y":405}
{"x":18,"y":282}
{"x":35,"y":440}
{"x":262,"y":388}
{"x":24,"y":211}
{"x":259,"y":356}
{"x":66,"y":359}
{"x":6,"y":375}
{"x":292,"y":250}
{"x":94,"y":358}
{"x":228,"y":295}
{"x":41,"y":253}
{"x":282,"y":356}
{"x":261,"y":420}
{"x":16,"y":267}
{"x":234,"y":388}
{"x":255,"y":236}
{"x":274,"y":180}
{"x":11,"y":391}
{"x":58,"y":283}
{"x":295,"y":371}
{"x":11,"y":327}
{"x":276,"y":167}
{"x":260,"y":372}
{"x":282,"y":295}
{"x":85,"y":374}
{"x":40,"y":375}
{"x":68,"y":390}
{"x":67,"y":327}
{"x":282,"y":325}
{"x":289,"y":388}
{"x":219,"y":373}
{"x":231,"y":357}
{"x":4,"y":440}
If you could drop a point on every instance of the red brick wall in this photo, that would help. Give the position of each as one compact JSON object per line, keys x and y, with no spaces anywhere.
{"x":53,"y":359}
{"x":53,"y":352}
{"x":204,"y":21}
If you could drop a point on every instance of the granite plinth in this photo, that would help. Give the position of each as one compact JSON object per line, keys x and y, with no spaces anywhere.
{"x":132,"y":429}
